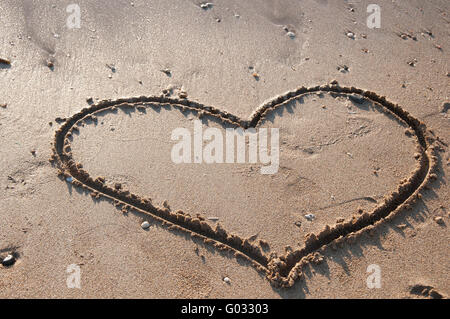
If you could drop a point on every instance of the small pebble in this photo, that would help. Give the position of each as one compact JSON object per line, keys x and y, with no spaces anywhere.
{"x":439,"y":220}
{"x":5,"y":61}
{"x":69,"y":179}
{"x":9,"y":260}
{"x":214,"y":219}
{"x":356,"y":99}
{"x":343,"y":68}
{"x":145,"y":225}
{"x":310,"y":217}
{"x":3,"y":106}
{"x":298,"y":223}
{"x":445,"y":107}
{"x":167,"y":72}
{"x":206,"y":5}
{"x":291,"y":34}
{"x":227,"y":280}
{"x":351,"y":35}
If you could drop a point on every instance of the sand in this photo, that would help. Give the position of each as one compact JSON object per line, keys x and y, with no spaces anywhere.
{"x":374,"y":173}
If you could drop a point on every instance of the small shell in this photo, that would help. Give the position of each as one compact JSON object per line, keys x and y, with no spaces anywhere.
{"x":145,"y":225}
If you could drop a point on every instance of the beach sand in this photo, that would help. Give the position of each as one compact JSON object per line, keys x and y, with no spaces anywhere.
{"x":339,"y":158}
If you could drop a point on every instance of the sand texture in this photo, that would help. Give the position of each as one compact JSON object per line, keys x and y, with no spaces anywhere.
{"x":85,"y":144}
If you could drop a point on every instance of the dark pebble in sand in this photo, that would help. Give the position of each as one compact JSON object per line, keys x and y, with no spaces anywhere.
{"x":167,"y":72}
{"x":9,"y":260}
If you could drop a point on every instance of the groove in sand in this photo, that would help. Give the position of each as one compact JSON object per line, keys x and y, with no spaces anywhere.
{"x":281,"y":271}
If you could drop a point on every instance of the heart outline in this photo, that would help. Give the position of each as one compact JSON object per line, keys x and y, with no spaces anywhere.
{"x":281,"y":271}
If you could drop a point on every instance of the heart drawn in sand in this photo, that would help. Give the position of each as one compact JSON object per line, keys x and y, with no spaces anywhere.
{"x":284,"y":270}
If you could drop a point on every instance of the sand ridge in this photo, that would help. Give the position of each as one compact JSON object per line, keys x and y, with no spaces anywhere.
{"x":280,"y":270}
